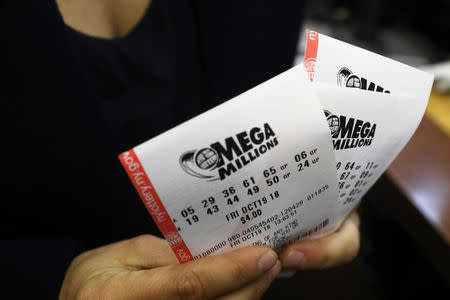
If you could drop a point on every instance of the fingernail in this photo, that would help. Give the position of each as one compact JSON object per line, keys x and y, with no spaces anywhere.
{"x":294,"y":260}
{"x":274,"y":271}
{"x":267,"y":261}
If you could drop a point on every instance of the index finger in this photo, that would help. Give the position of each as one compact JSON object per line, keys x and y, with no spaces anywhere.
{"x":215,"y":275}
{"x":144,"y":252}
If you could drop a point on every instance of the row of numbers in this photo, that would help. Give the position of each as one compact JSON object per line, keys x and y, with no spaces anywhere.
{"x":349,"y":188}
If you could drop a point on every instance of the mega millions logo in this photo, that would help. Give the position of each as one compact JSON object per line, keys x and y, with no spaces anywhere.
{"x":220,"y":160}
{"x":350,"y":132}
{"x":346,"y":78}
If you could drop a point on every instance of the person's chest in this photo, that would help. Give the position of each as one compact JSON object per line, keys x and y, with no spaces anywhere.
{"x":108,"y":19}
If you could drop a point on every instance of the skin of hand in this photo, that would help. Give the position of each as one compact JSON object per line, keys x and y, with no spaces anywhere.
{"x":146,"y":268}
{"x":335,"y":249}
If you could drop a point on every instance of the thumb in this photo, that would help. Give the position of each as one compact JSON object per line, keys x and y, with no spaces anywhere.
{"x":335,"y":249}
{"x":208,"y":277}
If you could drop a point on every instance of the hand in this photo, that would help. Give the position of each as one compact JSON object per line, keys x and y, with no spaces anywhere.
{"x":146,"y":268}
{"x":337,"y":248}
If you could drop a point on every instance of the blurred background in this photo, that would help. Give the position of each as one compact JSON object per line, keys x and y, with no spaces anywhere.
{"x":67,"y":90}
{"x":413,"y":33}
{"x":405,"y":229}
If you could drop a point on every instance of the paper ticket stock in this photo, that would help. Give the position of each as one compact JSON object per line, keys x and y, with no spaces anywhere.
{"x":284,"y":161}
{"x":383,"y":94}
{"x":334,"y":62}
{"x":258,"y":169}
{"x":368,"y":131}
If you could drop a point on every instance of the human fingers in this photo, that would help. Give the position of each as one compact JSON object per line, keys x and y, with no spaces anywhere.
{"x":256,"y":289}
{"x":144,"y":252}
{"x":107,"y":270}
{"x":208,"y":277}
{"x":337,"y":248}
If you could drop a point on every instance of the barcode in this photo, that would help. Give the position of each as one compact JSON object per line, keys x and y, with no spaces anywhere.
{"x":308,"y":232}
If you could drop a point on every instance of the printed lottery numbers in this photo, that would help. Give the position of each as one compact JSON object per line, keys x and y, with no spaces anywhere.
{"x":344,"y":175}
{"x":351,"y":165}
{"x":189,"y":215}
{"x":298,"y":159}
{"x":210,"y":205}
{"x":229,"y":194}
{"x":304,"y":161}
{"x":351,"y":188}
{"x":271,"y":177}
{"x":253,"y":209}
{"x":252,"y":188}
{"x":317,"y":192}
{"x":371,"y":165}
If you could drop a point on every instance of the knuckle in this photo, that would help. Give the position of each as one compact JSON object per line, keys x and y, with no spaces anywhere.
{"x":353,"y":248}
{"x":80,"y":262}
{"x":190,"y":286}
{"x":139,"y":240}
{"x":135,"y":244}
{"x":82,"y":257}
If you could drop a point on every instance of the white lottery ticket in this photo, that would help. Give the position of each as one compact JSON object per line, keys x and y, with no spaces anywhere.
{"x":256,"y":170}
{"x":334,"y":62}
{"x":364,"y":94}
{"x":285,"y":161}
{"x":368,"y":131}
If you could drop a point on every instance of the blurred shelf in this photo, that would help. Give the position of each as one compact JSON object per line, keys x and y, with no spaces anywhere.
{"x":422,"y":173}
{"x":438,"y":110}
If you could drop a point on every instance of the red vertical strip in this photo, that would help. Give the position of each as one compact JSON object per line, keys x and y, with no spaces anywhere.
{"x":154,"y":205}
{"x":312,"y":44}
